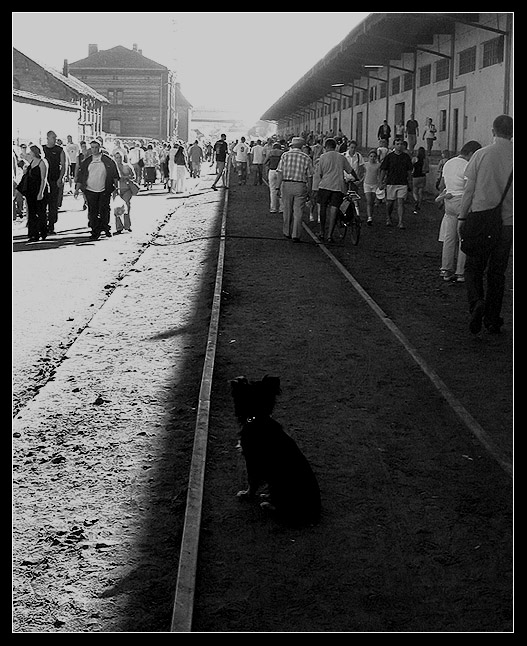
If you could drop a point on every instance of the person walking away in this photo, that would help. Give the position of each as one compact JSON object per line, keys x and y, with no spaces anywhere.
{"x":257,"y":158}
{"x":488,"y":173}
{"x":83,"y":154}
{"x":136,"y":157}
{"x":195,"y":155}
{"x":452,"y":186}
{"x":220,"y":153}
{"x":396,"y":174}
{"x":56,"y":158}
{"x":72,"y":152}
{"x":163,"y":164}
{"x":384,"y":132}
{"x":411,"y":132}
{"x":178,"y":168}
{"x":271,"y":163}
{"x":429,"y":134}
{"x":98,"y":179}
{"x":295,"y":177}
{"x":371,"y":183}
{"x":328,"y":181}
{"x":37,"y":188}
{"x":151,"y":162}
{"x":316,"y":150}
{"x":419,"y":172}
{"x":126,"y":175}
{"x":241,"y":152}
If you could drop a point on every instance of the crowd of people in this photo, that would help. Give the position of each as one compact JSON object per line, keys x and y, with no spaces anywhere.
{"x":307,"y":175}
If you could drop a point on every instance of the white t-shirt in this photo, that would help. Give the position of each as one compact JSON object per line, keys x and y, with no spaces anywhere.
{"x":73,"y":151}
{"x":241,"y":150}
{"x":96,"y":175}
{"x":258,"y":154}
{"x":454,"y":175}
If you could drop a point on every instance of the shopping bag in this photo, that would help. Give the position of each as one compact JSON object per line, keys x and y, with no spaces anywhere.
{"x":119,"y":207}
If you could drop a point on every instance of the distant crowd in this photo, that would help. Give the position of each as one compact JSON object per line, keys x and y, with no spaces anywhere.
{"x":308,"y":175}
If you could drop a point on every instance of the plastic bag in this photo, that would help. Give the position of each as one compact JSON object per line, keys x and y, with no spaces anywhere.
{"x":119,"y":206}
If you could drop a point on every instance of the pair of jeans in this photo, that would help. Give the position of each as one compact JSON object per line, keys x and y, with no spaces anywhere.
{"x":258,"y":173}
{"x":52,"y":203}
{"x":98,"y":211}
{"x":450,"y":238}
{"x":294,"y":195}
{"x":274,"y":189}
{"x":495,"y":263}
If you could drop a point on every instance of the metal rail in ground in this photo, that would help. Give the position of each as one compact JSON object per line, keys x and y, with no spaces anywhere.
{"x":188,"y":558}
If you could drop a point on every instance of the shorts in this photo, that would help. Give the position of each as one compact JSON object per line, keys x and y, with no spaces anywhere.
{"x":370,"y":188}
{"x":396,"y":191}
{"x":419,"y":182}
{"x":326,"y":197}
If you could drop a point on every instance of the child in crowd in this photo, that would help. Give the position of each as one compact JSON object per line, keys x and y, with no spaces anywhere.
{"x":371,"y":183}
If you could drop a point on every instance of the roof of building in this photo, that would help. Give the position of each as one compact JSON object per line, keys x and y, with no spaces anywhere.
{"x":375,"y":41}
{"x":30,"y":97}
{"x":118,"y":57}
{"x":71,"y":81}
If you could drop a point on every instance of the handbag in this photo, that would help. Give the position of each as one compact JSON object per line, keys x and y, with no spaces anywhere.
{"x":481,"y":230}
{"x":133,"y":186}
{"x":23,"y":184}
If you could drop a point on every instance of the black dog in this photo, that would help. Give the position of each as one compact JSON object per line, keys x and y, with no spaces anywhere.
{"x":272,"y":456}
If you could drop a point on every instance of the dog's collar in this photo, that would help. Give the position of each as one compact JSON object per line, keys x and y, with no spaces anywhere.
{"x":250,"y":419}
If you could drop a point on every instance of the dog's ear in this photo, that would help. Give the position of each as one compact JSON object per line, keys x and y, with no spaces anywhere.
{"x":237,"y":382}
{"x":272,"y":384}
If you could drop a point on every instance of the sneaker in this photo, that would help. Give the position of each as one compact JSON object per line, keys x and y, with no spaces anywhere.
{"x":460,"y":278}
{"x":369,"y":222}
{"x":448,"y":277}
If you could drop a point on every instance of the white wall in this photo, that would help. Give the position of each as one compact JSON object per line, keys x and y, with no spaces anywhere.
{"x":32,"y":122}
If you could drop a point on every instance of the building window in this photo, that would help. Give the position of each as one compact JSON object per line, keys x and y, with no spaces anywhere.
{"x":442,"y":69}
{"x":493,"y":51}
{"x":396,"y":85}
{"x":357,"y":97}
{"x":115,"y":96}
{"x":382,"y":90}
{"x":408,"y":81}
{"x":373,"y":93}
{"x":467,"y":60}
{"x":425,"y":75}
{"x":442,"y":120}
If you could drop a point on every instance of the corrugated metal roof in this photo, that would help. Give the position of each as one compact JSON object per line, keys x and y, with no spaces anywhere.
{"x":378,"y":39}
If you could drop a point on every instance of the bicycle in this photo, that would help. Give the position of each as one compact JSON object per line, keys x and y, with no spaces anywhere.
{"x":348,"y":219}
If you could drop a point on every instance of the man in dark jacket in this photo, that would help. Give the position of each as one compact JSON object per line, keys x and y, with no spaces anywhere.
{"x":98,"y":179}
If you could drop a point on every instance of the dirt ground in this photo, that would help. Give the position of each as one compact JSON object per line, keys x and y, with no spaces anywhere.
{"x":416,"y":533}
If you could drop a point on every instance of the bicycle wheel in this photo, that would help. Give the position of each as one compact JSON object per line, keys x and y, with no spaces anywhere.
{"x":355,"y":228}
{"x":340,"y":230}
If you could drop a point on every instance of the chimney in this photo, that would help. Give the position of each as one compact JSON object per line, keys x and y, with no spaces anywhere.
{"x":134,"y":47}
{"x":92,"y":49}
{"x":140,"y":51}
{"x":65,"y":68}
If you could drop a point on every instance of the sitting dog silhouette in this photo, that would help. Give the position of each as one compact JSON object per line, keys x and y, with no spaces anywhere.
{"x":272,"y":457}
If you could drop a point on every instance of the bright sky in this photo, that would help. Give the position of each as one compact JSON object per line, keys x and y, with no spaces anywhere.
{"x":232,"y":60}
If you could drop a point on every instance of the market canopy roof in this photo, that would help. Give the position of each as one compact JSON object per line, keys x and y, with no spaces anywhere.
{"x":378,"y":39}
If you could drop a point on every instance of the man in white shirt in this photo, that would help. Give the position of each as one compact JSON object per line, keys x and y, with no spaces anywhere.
{"x":241,"y":152}
{"x":136,"y":157}
{"x":257,"y":158}
{"x":72,"y":151}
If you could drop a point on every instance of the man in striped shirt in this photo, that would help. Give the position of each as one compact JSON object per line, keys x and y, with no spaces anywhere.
{"x":295,"y":176}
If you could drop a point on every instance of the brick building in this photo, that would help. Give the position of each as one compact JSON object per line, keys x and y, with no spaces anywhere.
{"x":144,"y":99}
{"x":44,"y":99}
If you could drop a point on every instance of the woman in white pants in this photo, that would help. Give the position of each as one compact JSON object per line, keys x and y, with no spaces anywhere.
{"x":453,"y":185}
{"x":271,"y":162}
